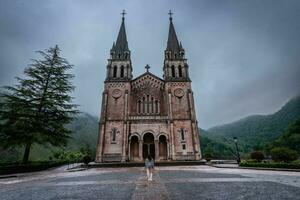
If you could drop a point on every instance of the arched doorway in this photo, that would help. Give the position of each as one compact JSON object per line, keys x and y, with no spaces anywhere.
{"x":134,"y":148}
{"x":163,"y":153}
{"x":148,"y":146}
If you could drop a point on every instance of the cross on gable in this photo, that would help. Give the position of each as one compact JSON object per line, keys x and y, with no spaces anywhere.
{"x":147,"y":67}
{"x":170,"y":13}
{"x":123,"y":14}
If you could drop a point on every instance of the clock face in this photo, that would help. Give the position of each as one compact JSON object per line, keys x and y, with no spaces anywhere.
{"x":179,"y":92}
{"x":116,"y":93}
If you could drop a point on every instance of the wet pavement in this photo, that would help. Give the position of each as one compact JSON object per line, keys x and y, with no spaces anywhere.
{"x":184,"y":182}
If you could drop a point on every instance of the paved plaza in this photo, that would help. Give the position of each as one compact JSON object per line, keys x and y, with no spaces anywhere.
{"x":185,"y":182}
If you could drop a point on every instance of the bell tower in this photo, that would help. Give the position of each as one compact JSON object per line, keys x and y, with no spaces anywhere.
{"x":181,"y":112}
{"x":119,"y":66}
{"x":175,"y":65}
{"x":113,"y":125}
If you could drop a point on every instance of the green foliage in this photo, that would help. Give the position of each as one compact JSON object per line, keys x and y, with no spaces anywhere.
{"x":84,"y":139}
{"x":270,"y":165}
{"x":257,"y":155}
{"x":255,"y":132}
{"x":17,"y":167}
{"x":86,"y":159}
{"x":36,"y":110}
{"x":290,"y":138}
{"x":216,"y":148}
{"x":68,"y":156}
{"x":208,"y":156}
{"x":283,"y":154}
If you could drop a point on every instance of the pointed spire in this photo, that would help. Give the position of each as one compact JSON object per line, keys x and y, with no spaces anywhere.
{"x":173,"y":44}
{"x":120,"y":49}
{"x":121,"y":43}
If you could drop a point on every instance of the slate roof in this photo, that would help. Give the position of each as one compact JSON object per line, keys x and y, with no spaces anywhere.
{"x":121,"y":44}
{"x":173,"y":44}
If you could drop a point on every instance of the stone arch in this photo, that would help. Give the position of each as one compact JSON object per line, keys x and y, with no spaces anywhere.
{"x":135,"y":134}
{"x":163,"y":147}
{"x":160,"y":134}
{"x":147,"y":131}
{"x":134,"y":142}
{"x":148,"y":139}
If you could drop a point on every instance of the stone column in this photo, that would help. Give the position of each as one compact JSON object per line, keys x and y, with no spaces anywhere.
{"x":129,"y":150}
{"x":100,"y":144}
{"x":156,"y":146}
{"x":168,"y":149}
{"x":125,"y":128}
{"x":173,"y":142}
{"x":141,"y":150}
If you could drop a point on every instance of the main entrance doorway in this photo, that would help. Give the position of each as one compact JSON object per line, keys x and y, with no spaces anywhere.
{"x":148,"y":146}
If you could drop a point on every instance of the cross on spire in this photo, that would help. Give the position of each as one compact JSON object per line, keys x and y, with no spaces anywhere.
{"x":123,"y":14}
{"x":147,"y":67}
{"x":170,"y":13}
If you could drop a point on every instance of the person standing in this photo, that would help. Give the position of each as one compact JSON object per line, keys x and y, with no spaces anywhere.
{"x":149,"y":164}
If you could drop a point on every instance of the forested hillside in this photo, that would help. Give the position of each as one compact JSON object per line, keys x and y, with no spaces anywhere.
{"x":254,"y":132}
{"x":84,"y":134}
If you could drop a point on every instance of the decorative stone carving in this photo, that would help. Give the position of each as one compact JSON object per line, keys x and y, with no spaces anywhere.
{"x":116,"y":93}
{"x":179,"y":92}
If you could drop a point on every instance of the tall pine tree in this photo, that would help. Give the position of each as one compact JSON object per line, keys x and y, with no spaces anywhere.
{"x":38,"y":107}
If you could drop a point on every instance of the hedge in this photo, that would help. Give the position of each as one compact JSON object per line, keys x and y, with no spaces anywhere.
{"x":271,"y":165}
{"x":11,"y":168}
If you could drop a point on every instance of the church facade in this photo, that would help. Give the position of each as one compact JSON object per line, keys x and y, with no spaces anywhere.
{"x":147,"y":115}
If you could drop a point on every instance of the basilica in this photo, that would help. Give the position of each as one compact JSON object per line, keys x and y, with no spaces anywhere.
{"x":147,"y":115}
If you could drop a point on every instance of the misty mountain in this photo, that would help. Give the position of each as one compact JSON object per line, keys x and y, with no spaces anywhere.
{"x":255,"y":131}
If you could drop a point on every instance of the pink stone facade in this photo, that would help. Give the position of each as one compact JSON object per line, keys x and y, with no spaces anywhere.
{"x":147,"y":115}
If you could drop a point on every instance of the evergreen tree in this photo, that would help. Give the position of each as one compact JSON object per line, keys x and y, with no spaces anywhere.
{"x":37,"y":108}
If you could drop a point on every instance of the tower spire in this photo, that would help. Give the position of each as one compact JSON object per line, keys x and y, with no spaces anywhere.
{"x":175,"y":64}
{"x":119,"y":66}
{"x":120,"y":49}
{"x":173,"y":44}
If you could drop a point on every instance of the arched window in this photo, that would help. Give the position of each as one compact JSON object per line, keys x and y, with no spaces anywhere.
{"x":113,"y":135}
{"x":152,"y":105}
{"x":156,"y":106}
{"x":144,"y":105}
{"x":139,"y":107}
{"x":173,"y":70}
{"x":122,"y":71}
{"x":148,"y":104}
{"x":182,"y":133}
{"x":115,"y":71}
{"x":179,"y":71}
{"x":175,"y":55}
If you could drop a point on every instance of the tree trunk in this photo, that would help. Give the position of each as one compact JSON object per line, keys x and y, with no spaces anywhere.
{"x":26,"y":153}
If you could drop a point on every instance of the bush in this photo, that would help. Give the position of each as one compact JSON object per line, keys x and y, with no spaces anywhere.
{"x":271,"y":165}
{"x":10,"y":168}
{"x":284,"y":154}
{"x":86,"y":159}
{"x":257,"y":155}
{"x":208,"y":156}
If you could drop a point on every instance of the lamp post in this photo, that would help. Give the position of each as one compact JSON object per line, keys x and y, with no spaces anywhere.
{"x":237,"y":150}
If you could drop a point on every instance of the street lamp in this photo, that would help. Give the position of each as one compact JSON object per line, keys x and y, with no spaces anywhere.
{"x":237,"y":150}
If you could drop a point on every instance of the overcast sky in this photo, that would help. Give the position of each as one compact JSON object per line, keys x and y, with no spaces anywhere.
{"x":244,"y":56}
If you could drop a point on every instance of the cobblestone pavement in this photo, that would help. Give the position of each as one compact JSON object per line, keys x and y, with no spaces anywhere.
{"x":186,"y":182}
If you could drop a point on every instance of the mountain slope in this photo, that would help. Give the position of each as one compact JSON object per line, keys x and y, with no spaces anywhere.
{"x":256,"y":130}
{"x":84,"y":133}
